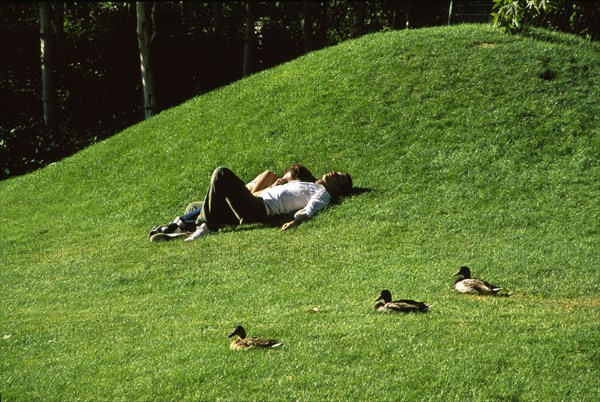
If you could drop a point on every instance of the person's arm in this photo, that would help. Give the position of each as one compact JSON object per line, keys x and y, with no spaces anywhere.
{"x":298,"y":219}
{"x":317,"y":202}
{"x":262,"y":181}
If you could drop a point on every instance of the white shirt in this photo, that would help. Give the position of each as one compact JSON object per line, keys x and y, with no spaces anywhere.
{"x":305,"y":198}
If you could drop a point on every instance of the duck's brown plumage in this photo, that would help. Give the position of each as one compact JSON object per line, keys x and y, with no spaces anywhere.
{"x":399,"y":306}
{"x":243,"y":342}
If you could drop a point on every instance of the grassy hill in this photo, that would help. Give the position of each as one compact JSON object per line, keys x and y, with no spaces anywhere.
{"x":477,"y":149}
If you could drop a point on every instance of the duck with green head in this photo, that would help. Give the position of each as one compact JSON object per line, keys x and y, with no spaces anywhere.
{"x":467,"y":285}
{"x":388,"y":305}
{"x":242,"y":342}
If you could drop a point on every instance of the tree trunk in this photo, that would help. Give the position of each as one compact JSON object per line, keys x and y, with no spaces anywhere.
{"x":322,"y":25}
{"x":47,"y":49}
{"x":249,"y":40}
{"x":358,"y":19}
{"x":146,"y":33}
{"x":308,"y":33}
{"x":399,"y":19}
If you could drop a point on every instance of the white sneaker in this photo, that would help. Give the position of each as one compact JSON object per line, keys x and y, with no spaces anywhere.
{"x":202,"y":231}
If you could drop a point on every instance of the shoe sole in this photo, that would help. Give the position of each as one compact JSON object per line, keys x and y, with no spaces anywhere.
{"x":167,"y":236}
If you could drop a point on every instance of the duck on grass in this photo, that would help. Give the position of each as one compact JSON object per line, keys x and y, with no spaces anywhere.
{"x":467,"y":285}
{"x":242,"y":342}
{"x":387,"y":305}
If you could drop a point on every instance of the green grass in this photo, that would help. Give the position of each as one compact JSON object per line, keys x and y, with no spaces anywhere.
{"x":478,"y":148}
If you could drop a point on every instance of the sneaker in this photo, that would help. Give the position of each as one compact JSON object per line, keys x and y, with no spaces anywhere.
{"x":180,"y":223}
{"x":170,"y":228}
{"x":156,"y":229}
{"x":167,"y":236}
{"x":202,"y":231}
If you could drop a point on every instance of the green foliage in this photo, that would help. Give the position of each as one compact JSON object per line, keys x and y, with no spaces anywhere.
{"x":477,"y":148}
{"x":514,"y":15}
{"x":520,"y":15}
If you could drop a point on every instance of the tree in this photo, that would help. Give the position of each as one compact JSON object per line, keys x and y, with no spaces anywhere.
{"x":514,"y":15}
{"x":322,"y":24}
{"x":308,"y":29}
{"x":146,"y":34}
{"x":249,"y":40}
{"x":48,"y":49}
{"x":358,"y":19}
{"x":399,"y":16}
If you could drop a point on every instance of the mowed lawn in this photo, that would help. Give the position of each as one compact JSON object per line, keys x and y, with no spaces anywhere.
{"x":471,"y":147}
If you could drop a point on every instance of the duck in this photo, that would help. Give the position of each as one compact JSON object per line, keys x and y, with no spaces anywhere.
{"x":399,"y":306}
{"x":243,"y":342}
{"x":465,"y":284}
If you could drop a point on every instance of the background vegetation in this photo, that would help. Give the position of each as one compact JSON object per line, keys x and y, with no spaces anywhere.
{"x":199,"y":47}
{"x":477,"y":148}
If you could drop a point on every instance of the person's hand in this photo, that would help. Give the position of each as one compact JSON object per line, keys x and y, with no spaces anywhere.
{"x":279,"y":182}
{"x":297,"y":220}
{"x":289,"y":225}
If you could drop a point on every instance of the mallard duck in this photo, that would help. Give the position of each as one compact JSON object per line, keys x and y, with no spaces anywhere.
{"x":465,"y":284}
{"x":241,"y":342}
{"x":401,"y":306}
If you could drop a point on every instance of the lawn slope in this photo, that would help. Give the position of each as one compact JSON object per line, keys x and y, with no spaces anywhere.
{"x":476,"y":148}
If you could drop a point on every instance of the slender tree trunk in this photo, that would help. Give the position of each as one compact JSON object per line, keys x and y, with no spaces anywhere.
{"x":249,"y":40}
{"x":322,"y":25}
{"x":358,"y":19}
{"x":146,"y":33}
{"x":47,"y":50}
{"x":308,"y":34}
{"x":399,"y":20}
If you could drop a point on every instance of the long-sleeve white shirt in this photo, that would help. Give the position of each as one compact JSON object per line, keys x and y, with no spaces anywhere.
{"x":305,"y":198}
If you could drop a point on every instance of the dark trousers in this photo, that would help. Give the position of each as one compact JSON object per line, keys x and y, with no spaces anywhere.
{"x":190,"y":216}
{"x":229,"y":202}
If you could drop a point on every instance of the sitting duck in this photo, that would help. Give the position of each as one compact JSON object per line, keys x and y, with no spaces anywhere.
{"x":243,"y":342}
{"x":465,"y":284}
{"x":399,"y":306}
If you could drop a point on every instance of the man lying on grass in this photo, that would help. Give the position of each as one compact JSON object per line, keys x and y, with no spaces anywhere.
{"x":230,"y":202}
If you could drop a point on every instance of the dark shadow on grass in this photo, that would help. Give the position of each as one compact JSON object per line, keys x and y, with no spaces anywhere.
{"x":560,"y":38}
{"x":358,"y":191}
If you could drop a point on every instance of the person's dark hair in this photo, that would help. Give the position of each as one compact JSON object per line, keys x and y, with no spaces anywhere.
{"x":300,"y":172}
{"x":346,"y":188}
